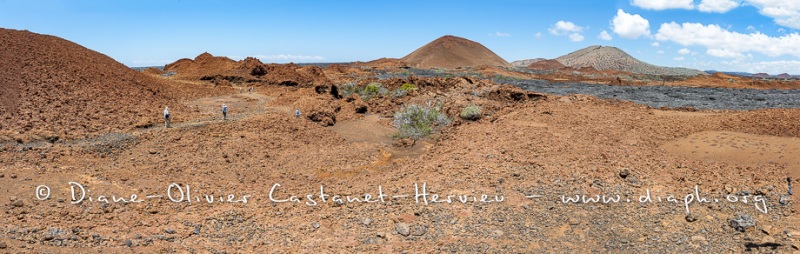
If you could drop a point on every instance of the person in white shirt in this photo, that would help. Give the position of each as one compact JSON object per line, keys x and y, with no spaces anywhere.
{"x":166,"y":116}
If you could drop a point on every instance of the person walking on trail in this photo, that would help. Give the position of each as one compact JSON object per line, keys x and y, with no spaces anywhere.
{"x":166,"y":116}
{"x":224,"y":112}
{"x":297,"y":113}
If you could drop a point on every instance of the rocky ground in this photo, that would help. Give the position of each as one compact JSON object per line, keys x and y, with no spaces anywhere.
{"x":508,"y":177}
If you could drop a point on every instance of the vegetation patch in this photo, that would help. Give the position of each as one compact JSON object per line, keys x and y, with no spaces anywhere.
{"x":472,"y":113}
{"x":417,"y":122}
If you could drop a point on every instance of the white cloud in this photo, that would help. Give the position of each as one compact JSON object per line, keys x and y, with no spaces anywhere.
{"x":564,"y":27}
{"x":771,"y":67}
{"x":723,"y":43}
{"x":684,"y":51}
{"x":680,"y":58}
{"x":724,"y":53}
{"x":719,"y":6}
{"x":500,"y":34}
{"x":660,"y":52}
{"x":785,"y":13}
{"x":576,"y":37}
{"x":567,"y":28}
{"x":751,"y":28}
{"x":290,"y":58}
{"x":605,"y":36}
{"x":781,"y":30}
{"x":655,"y":44}
{"x":538,"y":34}
{"x":663,"y":4}
{"x":630,"y":26}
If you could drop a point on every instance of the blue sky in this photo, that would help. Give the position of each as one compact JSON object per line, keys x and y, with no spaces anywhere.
{"x":743,"y":35}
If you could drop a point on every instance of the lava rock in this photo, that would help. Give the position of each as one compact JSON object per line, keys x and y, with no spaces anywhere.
{"x":742,"y":222}
{"x":402,"y":229}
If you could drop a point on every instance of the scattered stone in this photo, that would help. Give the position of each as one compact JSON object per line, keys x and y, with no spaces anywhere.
{"x":794,"y":235}
{"x":419,"y":230}
{"x":152,"y":151}
{"x":624,"y":173}
{"x":3,"y":245}
{"x":692,"y":217}
{"x":13,"y":176}
{"x":404,"y":142}
{"x":402,"y":229}
{"x":15,"y":202}
{"x":742,"y":222}
{"x":197,"y":230}
{"x":315,"y":225}
{"x":698,"y":238}
{"x":128,"y":243}
{"x":367,"y":221}
{"x":169,"y":231}
{"x":785,"y":199}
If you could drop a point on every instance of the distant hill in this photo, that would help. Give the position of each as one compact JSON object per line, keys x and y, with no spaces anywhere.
{"x":223,"y":70}
{"x":734,"y":73}
{"x":611,"y":58}
{"x":452,"y":52}
{"x":525,"y":63}
{"x":546,"y":65}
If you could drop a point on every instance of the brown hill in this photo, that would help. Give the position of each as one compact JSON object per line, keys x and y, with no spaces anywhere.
{"x":451,"y":52}
{"x":526,"y":62}
{"x":51,"y":88}
{"x":383,"y":63}
{"x":546,"y":65}
{"x":223,"y":70}
{"x":611,"y":58}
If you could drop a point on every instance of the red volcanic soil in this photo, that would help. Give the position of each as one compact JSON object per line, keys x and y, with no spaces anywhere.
{"x":203,"y":65}
{"x":546,"y":65}
{"x":225,"y":71}
{"x":451,"y":52}
{"x":53,"y":89}
{"x":383,"y":63}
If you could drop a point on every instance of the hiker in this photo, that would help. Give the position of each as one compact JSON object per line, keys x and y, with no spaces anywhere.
{"x":166,"y":116}
{"x":224,"y":112}
{"x":297,"y":113}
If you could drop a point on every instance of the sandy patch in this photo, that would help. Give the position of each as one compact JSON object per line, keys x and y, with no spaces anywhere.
{"x":738,"y":148}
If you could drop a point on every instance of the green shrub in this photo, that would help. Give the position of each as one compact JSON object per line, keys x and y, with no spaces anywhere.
{"x":417,"y":122}
{"x":372,"y":89}
{"x":471,"y":112}
{"x":403,"y":90}
{"x":348,"y":89}
{"x":408,"y":87}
